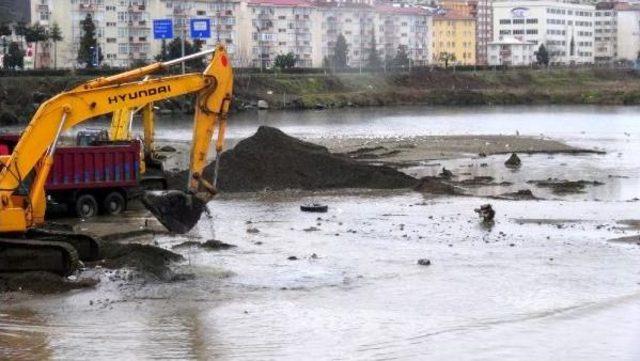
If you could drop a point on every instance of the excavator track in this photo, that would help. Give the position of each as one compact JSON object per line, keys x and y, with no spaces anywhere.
{"x":22,"y":255}
{"x":88,"y":248}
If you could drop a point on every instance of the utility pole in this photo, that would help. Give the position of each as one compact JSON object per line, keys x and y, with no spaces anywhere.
{"x":184,"y":35}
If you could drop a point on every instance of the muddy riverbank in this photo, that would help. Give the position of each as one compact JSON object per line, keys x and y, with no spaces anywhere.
{"x":20,"y":96}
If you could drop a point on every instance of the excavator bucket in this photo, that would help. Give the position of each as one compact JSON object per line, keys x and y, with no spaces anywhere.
{"x":178,"y":211}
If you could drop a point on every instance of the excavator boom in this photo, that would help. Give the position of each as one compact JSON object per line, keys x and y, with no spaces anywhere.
{"x":124,"y":92}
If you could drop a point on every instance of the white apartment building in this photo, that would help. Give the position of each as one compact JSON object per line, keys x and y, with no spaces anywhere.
{"x":512,"y":52}
{"x":124,"y":27}
{"x":566,"y":28}
{"x":404,"y":26}
{"x":268,"y":28}
{"x":605,"y":32}
{"x":628,"y":32}
{"x":254,"y":31}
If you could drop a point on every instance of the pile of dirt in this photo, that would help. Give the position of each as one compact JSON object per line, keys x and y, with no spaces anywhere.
{"x":270,"y":159}
{"x":558,"y":186}
{"x":146,"y":259}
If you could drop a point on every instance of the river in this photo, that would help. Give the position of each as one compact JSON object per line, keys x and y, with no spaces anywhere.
{"x":544,"y":283}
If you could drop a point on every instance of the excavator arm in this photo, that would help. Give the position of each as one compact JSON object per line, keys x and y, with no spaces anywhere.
{"x":36,"y":147}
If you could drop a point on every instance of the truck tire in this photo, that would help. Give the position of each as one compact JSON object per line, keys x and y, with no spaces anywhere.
{"x":86,"y":206}
{"x":114,"y":203}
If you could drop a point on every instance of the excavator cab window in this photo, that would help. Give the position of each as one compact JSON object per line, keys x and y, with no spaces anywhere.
{"x":86,"y":138}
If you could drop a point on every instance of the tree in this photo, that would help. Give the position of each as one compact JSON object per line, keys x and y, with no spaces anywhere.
{"x":340,"y":53}
{"x":285,"y":61}
{"x":373,"y":59}
{"x":445,"y":58}
{"x":35,"y":34}
{"x":14,"y":58}
{"x":55,"y":35}
{"x":5,"y":30}
{"x":402,"y":58}
{"x":88,"y":50}
{"x":164,"y":52}
{"x":326,"y":62}
{"x":542,"y":55}
{"x":174,"y":51}
{"x":20,"y":28}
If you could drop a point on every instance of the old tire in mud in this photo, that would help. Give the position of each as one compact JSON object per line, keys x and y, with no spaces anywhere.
{"x":86,"y":206}
{"x":314,"y":207}
{"x":114,"y":203}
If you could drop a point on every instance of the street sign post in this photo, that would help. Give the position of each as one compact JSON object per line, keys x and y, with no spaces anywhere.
{"x":200,"y":28}
{"x":162,"y":29}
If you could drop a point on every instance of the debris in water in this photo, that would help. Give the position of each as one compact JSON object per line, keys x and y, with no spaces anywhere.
{"x":424,"y":262}
{"x":486,"y":212}
{"x":513,"y":161}
{"x":253,"y":230}
{"x":176,"y":210}
{"x":445,"y":173}
{"x":314,"y":207}
{"x":292,"y":258}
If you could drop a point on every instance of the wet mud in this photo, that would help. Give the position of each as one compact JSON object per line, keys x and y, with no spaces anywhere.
{"x":41,"y":283}
{"x":149,"y":261}
{"x":560,"y":187}
{"x":210,"y":245}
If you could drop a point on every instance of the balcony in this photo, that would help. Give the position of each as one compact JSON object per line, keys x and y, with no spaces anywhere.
{"x":88,"y":7}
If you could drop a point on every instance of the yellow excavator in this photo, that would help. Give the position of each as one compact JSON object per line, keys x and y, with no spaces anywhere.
{"x":23,"y":173}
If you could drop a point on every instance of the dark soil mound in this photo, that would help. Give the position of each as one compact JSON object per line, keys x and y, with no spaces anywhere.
{"x":148,"y":260}
{"x":271,"y":159}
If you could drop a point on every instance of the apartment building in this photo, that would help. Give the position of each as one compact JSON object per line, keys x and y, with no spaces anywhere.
{"x":566,"y":28}
{"x":628,"y":33}
{"x":254,"y":31}
{"x":403,"y":26}
{"x":273,"y":27}
{"x":605,"y":32}
{"x":454,"y":32}
{"x":482,"y":12}
{"x":511,"y":52}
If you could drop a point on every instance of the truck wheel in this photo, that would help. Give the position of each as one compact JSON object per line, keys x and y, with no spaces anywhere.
{"x":114,"y":203}
{"x":86,"y":206}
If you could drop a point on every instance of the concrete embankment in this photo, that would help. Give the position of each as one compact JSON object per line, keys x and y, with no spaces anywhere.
{"x":20,"y":96}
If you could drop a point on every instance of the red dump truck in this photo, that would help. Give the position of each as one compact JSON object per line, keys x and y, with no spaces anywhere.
{"x":91,"y":177}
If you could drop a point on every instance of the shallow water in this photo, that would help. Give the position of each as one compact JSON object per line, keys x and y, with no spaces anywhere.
{"x":522,"y":290}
